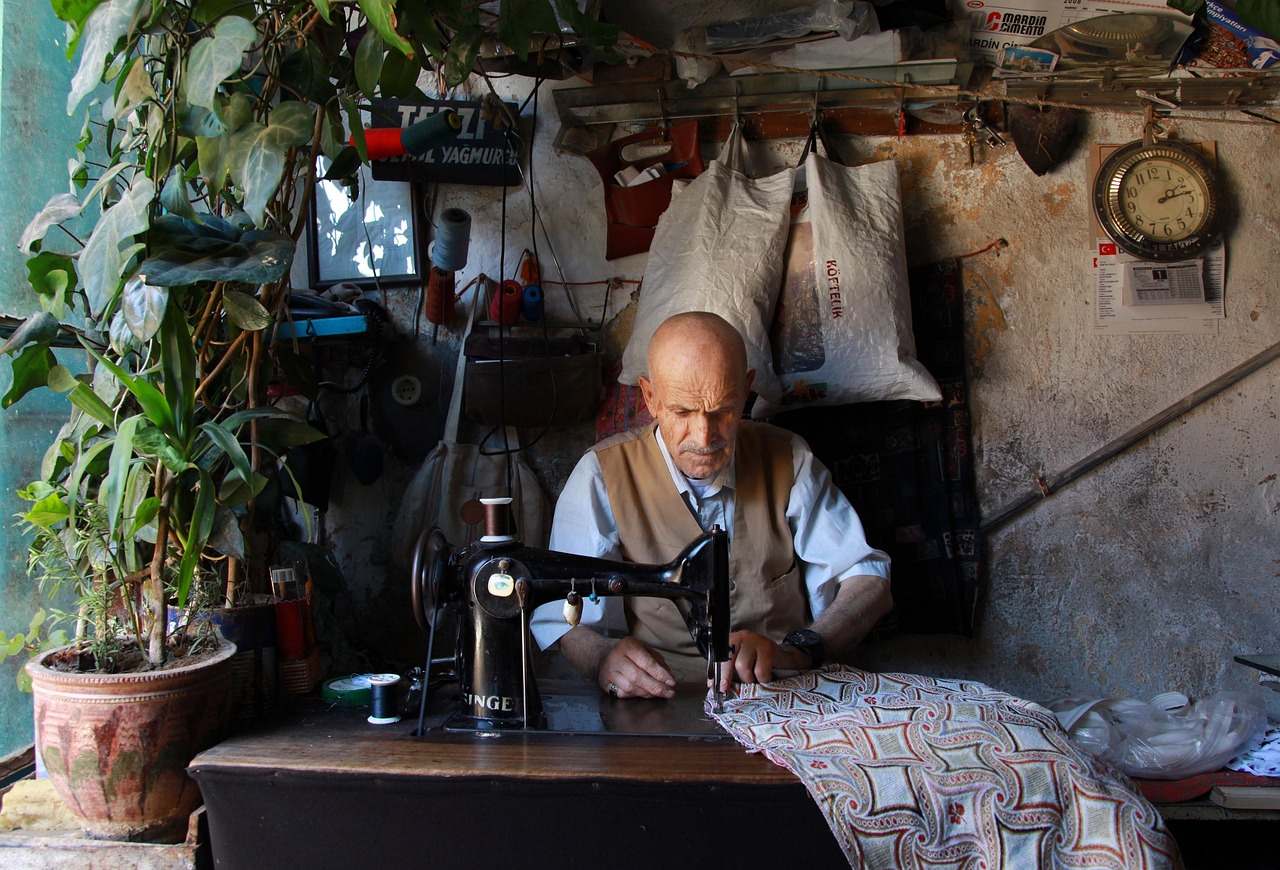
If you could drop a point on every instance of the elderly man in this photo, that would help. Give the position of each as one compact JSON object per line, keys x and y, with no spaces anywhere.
{"x":807,"y":586}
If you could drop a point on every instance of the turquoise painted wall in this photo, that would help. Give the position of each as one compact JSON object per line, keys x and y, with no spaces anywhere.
{"x":36,"y":139}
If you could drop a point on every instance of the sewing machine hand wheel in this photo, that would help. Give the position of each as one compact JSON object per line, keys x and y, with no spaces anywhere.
{"x":431,"y":557}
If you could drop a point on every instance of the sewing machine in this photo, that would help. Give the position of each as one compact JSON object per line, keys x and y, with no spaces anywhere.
{"x":495,"y":584}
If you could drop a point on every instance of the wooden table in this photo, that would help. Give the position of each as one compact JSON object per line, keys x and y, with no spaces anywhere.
{"x":323,"y":788}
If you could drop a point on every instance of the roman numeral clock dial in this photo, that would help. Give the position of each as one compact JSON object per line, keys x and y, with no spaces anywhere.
{"x":1158,"y":202}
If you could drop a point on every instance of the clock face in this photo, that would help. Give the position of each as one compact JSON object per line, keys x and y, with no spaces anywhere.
{"x":1158,"y":202}
{"x":1163,"y":199}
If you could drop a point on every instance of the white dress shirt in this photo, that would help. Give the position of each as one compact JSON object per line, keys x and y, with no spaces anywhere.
{"x":829,"y":542}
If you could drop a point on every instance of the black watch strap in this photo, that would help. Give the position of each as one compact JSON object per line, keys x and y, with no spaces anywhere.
{"x":808,"y":641}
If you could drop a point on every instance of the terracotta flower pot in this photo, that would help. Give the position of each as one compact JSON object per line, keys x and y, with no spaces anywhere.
{"x":116,"y":746}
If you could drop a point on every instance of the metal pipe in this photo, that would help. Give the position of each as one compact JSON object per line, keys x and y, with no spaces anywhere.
{"x":1111,"y":449}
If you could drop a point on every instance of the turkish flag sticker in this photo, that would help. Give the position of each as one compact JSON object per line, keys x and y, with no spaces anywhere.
{"x":1107,"y":250}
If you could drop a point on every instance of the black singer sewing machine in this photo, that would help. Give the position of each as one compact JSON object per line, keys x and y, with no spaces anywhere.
{"x":496,"y":583}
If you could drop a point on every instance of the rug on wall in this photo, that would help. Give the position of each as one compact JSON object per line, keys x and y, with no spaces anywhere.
{"x":907,"y":468}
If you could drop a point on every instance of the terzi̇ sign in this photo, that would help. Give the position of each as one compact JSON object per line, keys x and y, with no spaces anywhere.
{"x":481,"y":153}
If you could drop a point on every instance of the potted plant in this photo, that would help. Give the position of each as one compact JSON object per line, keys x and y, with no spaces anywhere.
{"x":195,"y":169}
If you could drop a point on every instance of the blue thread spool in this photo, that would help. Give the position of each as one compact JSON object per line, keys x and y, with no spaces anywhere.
{"x":531,"y":303}
{"x":382,"y":699}
{"x":449,"y":250}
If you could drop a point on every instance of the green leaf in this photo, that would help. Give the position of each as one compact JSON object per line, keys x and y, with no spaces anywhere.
{"x":256,"y":155}
{"x":422,"y":24}
{"x":587,"y":26}
{"x":178,"y":360}
{"x":61,"y":207}
{"x":285,"y":433}
{"x":215,"y":58}
{"x":297,"y":370}
{"x":306,"y":72}
{"x":173,"y":196}
{"x":209,"y":248}
{"x":233,"y":422}
{"x":143,"y":305}
{"x":30,"y":372}
{"x":245,"y":311}
{"x":382,"y":18}
{"x":151,"y":399}
{"x":39,"y":329}
{"x":102,"y":262}
{"x":52,"y":276}
{"x":461,"y":56}
{"x":211,"y":154}
{"x":135,"y":89}
{"x":197,"y":121}
{"x":60,"y":379}
{"x":47,"y":512}
{"x":83,"y":397}
{"x":89,"y":462}
{"x":113,"y":485}
{"x":399,"y":77}
{"x":344,"y":165}
{"x":229,"y":446}
{"x":356,"y":125}
{"x":202,"y":515}
{"x":146,"y":512}
{"x":150,"y":441}
{"x":74,"y":12}
{"x":234,"y":490}
{"x":106,"y":181}
{"x":370,"y":54}
{"x":226,"y":537}
{"x":323,"y":7}
{"x":211,"y":10}
{"x":519,"y":20}
{"x":236,"y":112}
{"x":106,"y":25}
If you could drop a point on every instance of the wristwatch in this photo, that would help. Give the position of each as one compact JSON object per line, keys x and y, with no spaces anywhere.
{"x":807,"y":641}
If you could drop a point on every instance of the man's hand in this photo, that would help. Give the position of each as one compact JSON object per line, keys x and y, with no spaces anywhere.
{"x":752,"y":658}
{"x":633,"y":669}
{"x":636,"y":671}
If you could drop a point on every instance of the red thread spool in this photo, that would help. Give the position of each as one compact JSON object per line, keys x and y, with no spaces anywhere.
{"x":529,"y":271}
{"x":439,"y":302}
{"x":382,"y":142}
{"x":504,"y":307}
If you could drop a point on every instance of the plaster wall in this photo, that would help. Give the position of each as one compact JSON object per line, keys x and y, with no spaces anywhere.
{"x":1146,"y":575}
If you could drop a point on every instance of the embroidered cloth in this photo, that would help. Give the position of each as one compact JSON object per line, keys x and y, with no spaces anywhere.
{"x":916,"y":772}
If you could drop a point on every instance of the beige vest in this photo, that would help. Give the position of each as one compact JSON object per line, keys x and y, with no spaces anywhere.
{"x":655,"y":524}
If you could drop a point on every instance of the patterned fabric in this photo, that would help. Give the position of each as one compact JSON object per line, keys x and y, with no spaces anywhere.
{"x":915,"y":772}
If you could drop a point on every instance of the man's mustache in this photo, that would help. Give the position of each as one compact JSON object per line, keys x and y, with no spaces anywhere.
{"x":709,"y":450}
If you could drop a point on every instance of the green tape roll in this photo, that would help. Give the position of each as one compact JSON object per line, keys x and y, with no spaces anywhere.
{"x":348,"y":691}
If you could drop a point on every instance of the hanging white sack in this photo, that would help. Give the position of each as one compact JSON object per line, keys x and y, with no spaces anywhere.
{"x":718,"y":248}
{"x":843,"y":328}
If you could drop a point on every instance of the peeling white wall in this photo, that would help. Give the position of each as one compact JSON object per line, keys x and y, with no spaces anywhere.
{"x":1146,"y":575}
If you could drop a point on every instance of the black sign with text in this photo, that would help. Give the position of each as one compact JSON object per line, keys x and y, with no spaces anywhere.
{"x":482,"y":153}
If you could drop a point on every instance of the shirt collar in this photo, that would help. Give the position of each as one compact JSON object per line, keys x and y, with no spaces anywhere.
{"x":727,"y":478}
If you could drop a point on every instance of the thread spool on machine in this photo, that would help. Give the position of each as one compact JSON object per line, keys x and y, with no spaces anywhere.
{"x":448,"y":255}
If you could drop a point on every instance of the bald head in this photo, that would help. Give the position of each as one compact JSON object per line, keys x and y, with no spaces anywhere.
{"x":697,"y":340}
{"x":696,"y":389}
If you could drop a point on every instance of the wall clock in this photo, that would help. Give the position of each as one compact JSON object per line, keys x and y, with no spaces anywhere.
{"x":1159,"y":201}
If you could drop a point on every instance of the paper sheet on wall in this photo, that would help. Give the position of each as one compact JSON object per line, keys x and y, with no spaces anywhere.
{"x":998,"y":24}
{"x":1132,"y":296}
